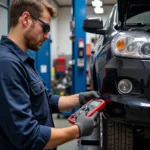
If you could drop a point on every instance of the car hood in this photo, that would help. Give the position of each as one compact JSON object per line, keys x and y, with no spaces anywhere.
{"x":129,"y":8}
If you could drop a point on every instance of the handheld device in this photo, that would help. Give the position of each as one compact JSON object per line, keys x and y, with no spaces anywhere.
{"x":88,"y":109}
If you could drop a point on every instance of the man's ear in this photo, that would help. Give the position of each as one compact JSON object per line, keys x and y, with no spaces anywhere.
{"x":25,"y":19}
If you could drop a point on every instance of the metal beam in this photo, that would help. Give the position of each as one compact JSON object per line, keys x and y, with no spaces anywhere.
{"x":79,"y":67}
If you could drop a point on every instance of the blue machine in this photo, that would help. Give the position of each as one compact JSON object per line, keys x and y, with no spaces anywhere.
{"x":79,"y":47}
{"x":42,"y":62}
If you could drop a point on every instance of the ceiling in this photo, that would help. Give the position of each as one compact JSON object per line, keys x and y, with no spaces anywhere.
{"x":65,"y":3}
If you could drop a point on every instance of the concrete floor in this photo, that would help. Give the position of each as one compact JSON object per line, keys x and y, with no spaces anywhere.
{"x":60,"y":123}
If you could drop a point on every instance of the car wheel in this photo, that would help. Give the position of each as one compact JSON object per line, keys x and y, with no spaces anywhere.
{"x":116,"y":136}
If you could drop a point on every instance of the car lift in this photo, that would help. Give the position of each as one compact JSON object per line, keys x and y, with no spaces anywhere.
{"x":78,"y":47}
{"x":91,"y":142}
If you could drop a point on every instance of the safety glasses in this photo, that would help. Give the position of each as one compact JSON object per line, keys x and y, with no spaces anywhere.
{"x":46,"y":27}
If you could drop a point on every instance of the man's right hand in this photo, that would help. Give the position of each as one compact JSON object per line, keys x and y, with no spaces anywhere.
{"x":86,"y":124}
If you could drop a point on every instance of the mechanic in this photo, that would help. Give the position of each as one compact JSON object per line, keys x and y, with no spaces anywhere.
{"x":26,"y":104}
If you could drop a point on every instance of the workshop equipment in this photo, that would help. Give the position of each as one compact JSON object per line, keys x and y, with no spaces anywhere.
{"x":78,"y":46}
{"x":60,"y":65}
{"x":91,"y":142}
{"x":88,"y":109}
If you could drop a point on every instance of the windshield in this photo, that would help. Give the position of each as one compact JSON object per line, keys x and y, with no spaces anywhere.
{"x":140,"y":18}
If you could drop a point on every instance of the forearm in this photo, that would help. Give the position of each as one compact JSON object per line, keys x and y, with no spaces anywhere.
{"x":62,"y":135}
{"x":68,"y":102}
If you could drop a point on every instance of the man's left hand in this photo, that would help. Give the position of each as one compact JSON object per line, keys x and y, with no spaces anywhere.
{"x":84,"y":97}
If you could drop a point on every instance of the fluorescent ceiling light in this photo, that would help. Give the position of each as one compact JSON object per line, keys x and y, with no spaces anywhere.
{"x":99,"y":10}
{"x":97,"y":3}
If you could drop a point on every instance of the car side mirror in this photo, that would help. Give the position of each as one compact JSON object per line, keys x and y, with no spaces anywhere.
{"x":93,"y":25}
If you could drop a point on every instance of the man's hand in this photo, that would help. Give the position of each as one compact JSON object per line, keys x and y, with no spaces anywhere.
{"x":86,"y":124}
{"x":86,"y":96}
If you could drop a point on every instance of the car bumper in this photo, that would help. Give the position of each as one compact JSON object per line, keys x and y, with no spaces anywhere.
{"x":133,"y":108}
{"x":135,"y":111}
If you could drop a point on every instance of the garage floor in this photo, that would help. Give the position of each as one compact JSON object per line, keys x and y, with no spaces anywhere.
{"x":60,"y":123}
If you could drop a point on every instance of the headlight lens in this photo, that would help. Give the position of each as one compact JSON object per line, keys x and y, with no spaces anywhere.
{"x":145,"y":49}
{"x":132,"y":44}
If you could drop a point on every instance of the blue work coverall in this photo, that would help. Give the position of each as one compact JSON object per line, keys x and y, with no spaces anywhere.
{"x":26,"y":105}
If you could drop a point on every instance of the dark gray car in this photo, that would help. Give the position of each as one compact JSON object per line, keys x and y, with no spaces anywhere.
{"x":121,"y":73}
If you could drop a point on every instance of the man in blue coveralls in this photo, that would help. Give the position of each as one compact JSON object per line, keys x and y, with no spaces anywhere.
{"x":26,"y":104}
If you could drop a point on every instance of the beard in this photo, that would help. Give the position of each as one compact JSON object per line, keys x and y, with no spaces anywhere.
{"x":31,"y":39}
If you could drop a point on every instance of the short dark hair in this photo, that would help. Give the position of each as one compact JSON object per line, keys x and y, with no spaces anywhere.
{"x":35,"y":7}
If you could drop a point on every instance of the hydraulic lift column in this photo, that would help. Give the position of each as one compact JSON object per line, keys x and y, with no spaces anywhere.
{"x":78,"y":47}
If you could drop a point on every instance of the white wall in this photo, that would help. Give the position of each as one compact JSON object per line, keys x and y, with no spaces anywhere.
{"x":54,"y":37}
{"x":3,"y":1}
{"x":64,"y":43}
{"x":3,"y":21}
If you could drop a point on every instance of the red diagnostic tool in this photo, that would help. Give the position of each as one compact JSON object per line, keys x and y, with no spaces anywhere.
{"x":88,"y":109}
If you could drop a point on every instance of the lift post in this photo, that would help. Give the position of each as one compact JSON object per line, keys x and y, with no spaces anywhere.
{"x":78,"y":47}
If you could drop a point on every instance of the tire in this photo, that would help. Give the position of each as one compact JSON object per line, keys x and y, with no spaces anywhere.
{"x":116,"y":136}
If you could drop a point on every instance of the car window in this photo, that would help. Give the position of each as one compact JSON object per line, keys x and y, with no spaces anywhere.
{"x":140,"y":18}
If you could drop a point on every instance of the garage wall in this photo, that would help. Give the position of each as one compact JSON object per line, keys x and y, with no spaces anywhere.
{"x":64,"y":43}
{"x":3,"y":1}
{"x":54,"y":37}
{"x":4,"y":21}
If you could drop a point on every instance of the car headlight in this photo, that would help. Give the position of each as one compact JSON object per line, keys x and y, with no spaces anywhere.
{"x":125,"y":86}
{"x":133,"y":44}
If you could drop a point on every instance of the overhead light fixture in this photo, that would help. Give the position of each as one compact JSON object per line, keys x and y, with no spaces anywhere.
{"x":97,"y":3}
{"x":99,"y":10}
